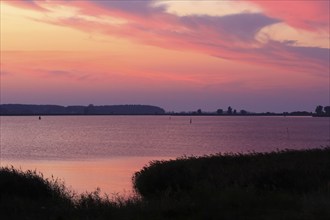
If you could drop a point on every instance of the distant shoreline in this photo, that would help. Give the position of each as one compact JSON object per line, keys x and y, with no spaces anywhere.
{"x":22,"y":109}
{"x":136,"y":110}
{"x":171,"y":114}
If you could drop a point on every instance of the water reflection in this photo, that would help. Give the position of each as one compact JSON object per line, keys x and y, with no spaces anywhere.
{"x":111,"y":176}
{"x":104,"y":151}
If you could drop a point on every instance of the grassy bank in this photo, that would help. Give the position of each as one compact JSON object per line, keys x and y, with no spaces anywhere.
{"x":278,"y":185}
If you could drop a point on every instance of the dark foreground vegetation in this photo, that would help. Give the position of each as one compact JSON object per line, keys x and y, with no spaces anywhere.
{"x":279,"y":185}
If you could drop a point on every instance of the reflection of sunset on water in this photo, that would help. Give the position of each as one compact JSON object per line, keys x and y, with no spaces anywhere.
{"x":110,"y":175}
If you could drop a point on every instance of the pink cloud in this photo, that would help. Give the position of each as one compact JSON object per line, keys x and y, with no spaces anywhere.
{"x":229,"y":37}
{"x":27,"y":4}
{"x":304,"y":14}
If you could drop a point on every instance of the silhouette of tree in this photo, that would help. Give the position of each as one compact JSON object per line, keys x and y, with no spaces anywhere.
{"x":319,"y":110}
{"x":199,"y":111}
{"x":89,"y":109}
{"x":229,"y":110}
{"x":219,"y":111}
{"x":243,"y":112}
{"x":235,"y":112}
{"x":327,"y":110}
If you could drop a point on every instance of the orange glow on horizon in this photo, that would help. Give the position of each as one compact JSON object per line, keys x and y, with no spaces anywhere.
{"x":96,"y":48}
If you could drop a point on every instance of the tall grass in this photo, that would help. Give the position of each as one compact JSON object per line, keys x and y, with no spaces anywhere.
{"x":279,"y":185}
{"x":286,"y":184}
{"x":288,"y":171}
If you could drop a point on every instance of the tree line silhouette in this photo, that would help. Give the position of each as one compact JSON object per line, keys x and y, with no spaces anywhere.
{"x":320,"y":111}
{"x":20,"y":109}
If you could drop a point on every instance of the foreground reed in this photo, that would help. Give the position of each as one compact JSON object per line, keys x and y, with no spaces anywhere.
{"x":285,"y":184}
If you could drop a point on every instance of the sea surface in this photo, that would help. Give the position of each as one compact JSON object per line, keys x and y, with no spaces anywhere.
{"x":104,"y":151}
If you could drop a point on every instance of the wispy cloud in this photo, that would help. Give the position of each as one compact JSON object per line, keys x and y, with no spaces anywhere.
{"x":303,"y":14}
{"x":59,"y":73}
{"x":230,"y":37}
{"x":74,"y":75}
{"x":28,"y":4}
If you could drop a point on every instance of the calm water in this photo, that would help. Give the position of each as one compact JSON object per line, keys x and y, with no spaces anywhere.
{"x":77,"y":147}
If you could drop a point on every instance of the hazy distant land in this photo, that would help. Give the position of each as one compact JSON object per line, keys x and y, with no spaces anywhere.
{"x":20,"y":109}
{"x":129,"y":109}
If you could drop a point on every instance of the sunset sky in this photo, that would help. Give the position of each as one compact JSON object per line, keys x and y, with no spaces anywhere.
{"x":180,"y":55}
